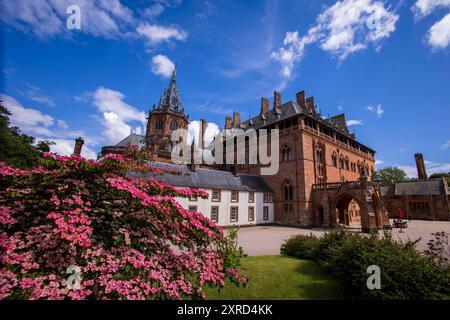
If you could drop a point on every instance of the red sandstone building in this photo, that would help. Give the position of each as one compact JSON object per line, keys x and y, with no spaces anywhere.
{"x":325,"y":174}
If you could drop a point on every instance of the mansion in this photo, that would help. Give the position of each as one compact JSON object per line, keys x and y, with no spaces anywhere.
{"x":325,"y":176}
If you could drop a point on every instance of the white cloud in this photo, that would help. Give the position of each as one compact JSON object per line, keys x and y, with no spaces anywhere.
{"x":430,"y":166}
{"x":446,"y":145}
{"x":293,"y":51}
{"x":35,"y":94}
{"x":162,"y":66}
{"x":212,"y":129}
{"x":156,"y":34}
{"x":65,"y":147}
{"x":354,"y":123}
{"x":154,"y":10}
{"x":62,"y":124}
{"x":47,"y":18}
{"x":116,"y":114}
{"x":423,"y":8}
{"x":29,"y":120}
{"x":379,"y":162}
{"x":439,"y":34}
{"x":41,"y":125}
{"x":344,"y":28}
{"x":378,"y":110}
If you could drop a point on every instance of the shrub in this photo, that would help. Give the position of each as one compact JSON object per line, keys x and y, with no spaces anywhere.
{"x":125,"y":235}
{"x":301,"y":246}
{"x":405,"y":272}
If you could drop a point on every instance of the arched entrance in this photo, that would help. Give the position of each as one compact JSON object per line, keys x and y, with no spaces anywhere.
{"x":346,"y":210}
{"x":368,"y":207}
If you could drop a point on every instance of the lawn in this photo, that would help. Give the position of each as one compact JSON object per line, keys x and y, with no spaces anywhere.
{"x":278,"y":278}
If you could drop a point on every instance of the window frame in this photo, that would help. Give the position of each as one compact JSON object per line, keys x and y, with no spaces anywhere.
{"x":212,"y":195}
{"x":217,"y":214}
{"x":252,"y":208}
{"x":231,"y":214}
{"x":266,"y":213}
{"x":237,"y":196}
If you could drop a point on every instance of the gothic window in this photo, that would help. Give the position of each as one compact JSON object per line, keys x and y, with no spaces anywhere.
{"x":341,"y":163}
{"x":158,"y":124}
{"x":334,"y":159}
{"x":286,"y":154}
{"x":288,"y":192}
{"x":347,"y":167}
{"x":173,"y":125}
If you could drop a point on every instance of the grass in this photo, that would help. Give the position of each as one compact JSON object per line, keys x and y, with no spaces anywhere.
{"x":280,"y":278}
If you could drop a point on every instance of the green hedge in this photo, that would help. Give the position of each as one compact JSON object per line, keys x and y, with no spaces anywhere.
{"x":405,"y":272}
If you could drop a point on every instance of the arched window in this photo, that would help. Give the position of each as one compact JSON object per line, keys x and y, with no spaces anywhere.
{"x":341,"y":163}
{"x":173,"y":125}
{"x":288,"y":192}
{"x":158,"y":124}
{"x":347,"y":167}
{"x":286,"y":154}
{"x":334,"y":159}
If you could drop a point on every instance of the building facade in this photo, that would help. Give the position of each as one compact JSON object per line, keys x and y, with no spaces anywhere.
{"x":313,"y":151}
{"x":233,"y":199}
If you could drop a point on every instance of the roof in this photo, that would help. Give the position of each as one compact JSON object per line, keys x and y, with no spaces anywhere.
{"x":291,"y":109}
{"x":286,"y":111}
{"x":415,"y":188}
{"x":132,"y":140}
{"x":208,"y":179}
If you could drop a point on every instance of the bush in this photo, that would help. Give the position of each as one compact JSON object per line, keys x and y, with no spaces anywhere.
{"x":119,"y":236}
{"x":405,"y":272}
{"x":300,"y":246}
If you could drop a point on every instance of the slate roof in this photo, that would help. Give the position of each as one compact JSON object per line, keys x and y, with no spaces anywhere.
{"x":291,"y":109}
{"x":415,"y":188}
{"x":132,"y":140}
{"x":209,"y":179}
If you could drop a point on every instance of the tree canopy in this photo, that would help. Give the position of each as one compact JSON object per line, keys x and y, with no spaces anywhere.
{"x":391,"y":175}
{"x":16,"y":147}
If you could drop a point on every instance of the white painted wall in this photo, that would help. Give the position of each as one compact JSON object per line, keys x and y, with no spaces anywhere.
{"x":225,"y":204}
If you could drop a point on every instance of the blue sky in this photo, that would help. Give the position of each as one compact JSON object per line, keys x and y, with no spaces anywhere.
{"x":385,"y":64}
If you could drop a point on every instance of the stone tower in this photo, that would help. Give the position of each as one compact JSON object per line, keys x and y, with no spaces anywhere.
{"x":420,"y":164}
{"x":164,"y":118}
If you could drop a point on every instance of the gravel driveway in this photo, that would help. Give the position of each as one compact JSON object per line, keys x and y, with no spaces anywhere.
{"x":267,"y":240}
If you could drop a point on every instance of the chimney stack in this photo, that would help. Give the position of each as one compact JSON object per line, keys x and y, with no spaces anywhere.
{"x":310,"y":104}
{"x":420,"y":164}
{"x":301,"y":101}
{"x":264,"y":105}
{"x":202,"y":133}
{"x":276,"y":99}
{"x":236,"y":119}
{"x":78,"y":146}
{"x":228,"y":123}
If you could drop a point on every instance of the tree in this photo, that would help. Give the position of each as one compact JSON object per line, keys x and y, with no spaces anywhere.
{"x":441,"y":175}
{"x":16,"y":147}
{"x":122,"y":235}
{"x":391,"y":175}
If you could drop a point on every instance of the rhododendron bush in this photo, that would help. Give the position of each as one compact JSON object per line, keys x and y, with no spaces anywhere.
{"x":125,"y":235}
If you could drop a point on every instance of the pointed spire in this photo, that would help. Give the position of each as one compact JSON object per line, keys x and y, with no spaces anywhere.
{"x":171,"y":96}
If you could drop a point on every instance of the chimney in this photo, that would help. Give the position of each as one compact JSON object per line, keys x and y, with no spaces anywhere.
{"x":264,"y":105}
{"x":310,"y":104}
{"x":235,"y":171}
{"x":228,"y":123}
{"x":202,"y":133}
{"x":193,"y":166}
{"x":301,"y":101}
{"x":236,"y":119}
{"x":78,"y":146}
{"x":276,"y":99}
{"x":420,"y":164}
